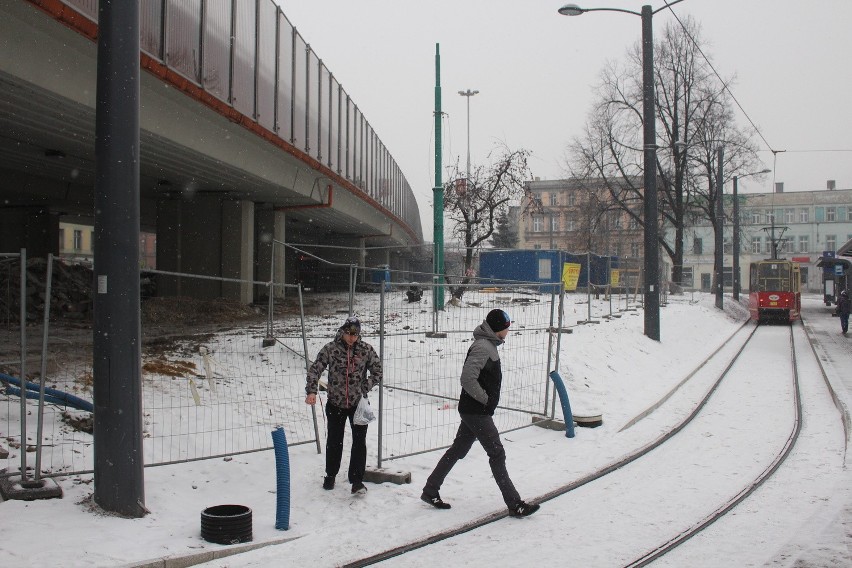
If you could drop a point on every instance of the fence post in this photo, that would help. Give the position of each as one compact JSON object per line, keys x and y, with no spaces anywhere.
{"x":40,"y":425}
{"x":308,"y":366}
{"x":23,"y":314}
{"x":382,"y":359}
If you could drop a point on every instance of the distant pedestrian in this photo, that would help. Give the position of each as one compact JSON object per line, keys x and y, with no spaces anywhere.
{"x":348,"y":359}
{"x":843,"y":311}
{"x":481,"y":378}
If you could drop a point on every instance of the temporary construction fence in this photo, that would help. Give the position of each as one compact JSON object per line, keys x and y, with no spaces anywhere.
{"x":422,"y":363}
{"x":219,"y":382}
{"x":209,"y":387}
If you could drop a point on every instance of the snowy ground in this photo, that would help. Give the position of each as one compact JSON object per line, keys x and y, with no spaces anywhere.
{"x":797,"y":520}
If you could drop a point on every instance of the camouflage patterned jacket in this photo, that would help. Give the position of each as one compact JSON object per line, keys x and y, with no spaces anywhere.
{"x":347,"y":371}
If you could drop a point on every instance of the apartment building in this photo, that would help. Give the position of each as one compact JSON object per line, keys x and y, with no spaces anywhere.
{"x":801,"y":224}
{"x":571,"y":215}
{"x":76,"y":241}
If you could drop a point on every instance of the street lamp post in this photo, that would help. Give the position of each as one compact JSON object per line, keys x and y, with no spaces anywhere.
{"x":468,"y":93}
{"x":652,"y":291}
{"x":736,"y":236}
{"x":719,"y":257}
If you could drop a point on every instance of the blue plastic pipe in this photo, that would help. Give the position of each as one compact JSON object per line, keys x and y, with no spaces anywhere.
{"x":566,"y":404}
{"x":51,"y":395}
{"x":282,"y":470}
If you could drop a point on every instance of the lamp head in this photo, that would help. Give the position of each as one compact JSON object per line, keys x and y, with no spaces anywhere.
{"x":571,"y":10}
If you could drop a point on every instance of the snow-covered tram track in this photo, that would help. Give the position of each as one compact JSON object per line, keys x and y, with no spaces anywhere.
{"x":750,"y":360}
{"x":637,"y":515}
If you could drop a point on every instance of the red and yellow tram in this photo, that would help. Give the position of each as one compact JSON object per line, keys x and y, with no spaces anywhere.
{"x":774,"y":290}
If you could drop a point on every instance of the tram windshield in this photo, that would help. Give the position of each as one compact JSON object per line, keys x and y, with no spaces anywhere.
{"x":774,"y":276}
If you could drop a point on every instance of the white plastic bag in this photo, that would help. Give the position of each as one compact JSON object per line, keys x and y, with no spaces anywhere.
{"x":363,"y":413}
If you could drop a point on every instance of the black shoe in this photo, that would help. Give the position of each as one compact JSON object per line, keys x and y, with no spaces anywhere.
{"x":523,"y":509}
{"x":328,"y":483}
{"x":435,"y":501}
{"x":358,"y":488}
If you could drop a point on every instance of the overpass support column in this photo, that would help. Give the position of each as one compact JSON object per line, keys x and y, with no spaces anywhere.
{"x":238,"y":250}
{"x":280,"y":252}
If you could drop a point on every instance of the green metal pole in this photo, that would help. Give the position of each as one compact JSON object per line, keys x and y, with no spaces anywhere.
{"x":438,"y":262}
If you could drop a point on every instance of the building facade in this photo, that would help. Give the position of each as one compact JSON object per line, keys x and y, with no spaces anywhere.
{"x":802,"y":225}
{"x":76,"y":242}
{"x":572,"y":215}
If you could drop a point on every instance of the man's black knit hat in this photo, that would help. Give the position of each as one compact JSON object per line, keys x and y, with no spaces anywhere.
{"x":498,"y":320}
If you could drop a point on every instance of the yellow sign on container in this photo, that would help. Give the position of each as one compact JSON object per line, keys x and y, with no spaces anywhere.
{"x":570,"y":276}
{"x":613,"y":277}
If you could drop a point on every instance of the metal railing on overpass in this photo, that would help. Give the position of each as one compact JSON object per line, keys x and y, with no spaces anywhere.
{"x":249,"y":56}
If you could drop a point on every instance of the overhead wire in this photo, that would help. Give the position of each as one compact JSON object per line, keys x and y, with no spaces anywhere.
{"x":724,"y":83}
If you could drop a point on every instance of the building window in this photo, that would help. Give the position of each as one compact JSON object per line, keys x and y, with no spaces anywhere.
{"x":697,"y":246}
{"x":830,"y":215}
{"x":78,"y":239}
{"x":789,"y":215}
{"x":770,"y":216}
{"x":634,"y":249}
{"x":756,"y":243}
{"x":551,"y":197}
{"x":804,"y":245}
{"x":755,"y":217}
{"x":616,"y":220}
{"x":831,"y":242}
{"x":849,"y":213}
{"x":804,"y":215}
{"x":634,"y":223}
{"x":569,"y":223}
{"x":537,"y":247}
{"x":572,"y":199}
{"x":554,"y":223}
{"x":538,"y":224}
{"x":61,"y":239}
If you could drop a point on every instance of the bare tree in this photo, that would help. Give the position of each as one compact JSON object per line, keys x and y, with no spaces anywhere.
{"x":474,"y":204}
{"x":694,"y":117}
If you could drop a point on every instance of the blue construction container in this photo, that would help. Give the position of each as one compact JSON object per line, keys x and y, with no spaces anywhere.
{"x":540,"y":266}
{"x":543,"y":266}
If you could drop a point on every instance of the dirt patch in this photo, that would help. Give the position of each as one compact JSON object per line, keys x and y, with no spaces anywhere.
{"x":170,"y":368}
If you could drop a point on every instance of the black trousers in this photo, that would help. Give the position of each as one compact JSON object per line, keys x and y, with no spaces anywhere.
{"x":475,"y":427}
{"x":337,"y":418}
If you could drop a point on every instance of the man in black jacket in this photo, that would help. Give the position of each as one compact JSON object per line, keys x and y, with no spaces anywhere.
{"x":481,"y":378}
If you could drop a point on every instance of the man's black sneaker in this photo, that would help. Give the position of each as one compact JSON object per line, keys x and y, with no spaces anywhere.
{"x":435,"y":501}
{"x":523,"y":509}
{"x":358,"y":488}
{"x":328,"y":483}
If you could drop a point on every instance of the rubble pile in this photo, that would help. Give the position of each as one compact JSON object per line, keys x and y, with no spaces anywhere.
{"x":70,"y":295}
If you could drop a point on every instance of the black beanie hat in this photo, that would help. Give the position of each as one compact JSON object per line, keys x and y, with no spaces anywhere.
{"x":498,"y":320}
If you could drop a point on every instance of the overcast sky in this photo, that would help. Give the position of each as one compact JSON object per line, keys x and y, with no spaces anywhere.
{"x":535,"y":71}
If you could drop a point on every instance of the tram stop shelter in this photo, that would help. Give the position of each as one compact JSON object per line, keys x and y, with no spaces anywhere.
{"x":835,"y":270}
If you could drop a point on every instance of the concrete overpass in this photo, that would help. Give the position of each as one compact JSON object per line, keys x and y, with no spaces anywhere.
{"x":246,"y":137}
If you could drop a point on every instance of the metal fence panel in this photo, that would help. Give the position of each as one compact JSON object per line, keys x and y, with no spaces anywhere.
{"x":245,"y":58}
{"x":183,"y":38}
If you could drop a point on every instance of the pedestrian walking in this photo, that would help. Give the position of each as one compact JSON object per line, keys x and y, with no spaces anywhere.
{"x":348,"y":359}
{"x":481,"y":379}
{"x":843,"y":311}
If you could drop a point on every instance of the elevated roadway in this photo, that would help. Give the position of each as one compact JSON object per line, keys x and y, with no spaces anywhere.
{"x":246,"y":138}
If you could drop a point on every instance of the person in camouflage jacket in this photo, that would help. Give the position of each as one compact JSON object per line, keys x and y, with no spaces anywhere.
{"x":348,"y":360}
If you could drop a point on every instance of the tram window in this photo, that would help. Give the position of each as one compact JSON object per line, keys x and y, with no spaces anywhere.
{"x":773,"y":276}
